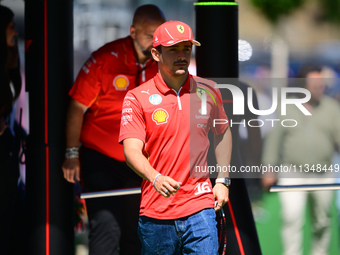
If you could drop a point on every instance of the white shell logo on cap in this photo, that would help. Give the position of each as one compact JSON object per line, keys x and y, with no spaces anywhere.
{"x":155,"y":99}
{"x":180,"y":29}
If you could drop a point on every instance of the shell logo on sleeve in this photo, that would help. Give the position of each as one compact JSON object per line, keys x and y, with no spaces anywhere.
{"x":160,"y":116}
{"x":121,"y":82}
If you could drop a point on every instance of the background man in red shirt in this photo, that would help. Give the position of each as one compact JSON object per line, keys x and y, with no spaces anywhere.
{"x":93,"y":121}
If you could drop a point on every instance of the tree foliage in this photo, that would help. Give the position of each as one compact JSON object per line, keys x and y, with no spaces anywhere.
{"x":331,"y":10}
{"x":274,"y":9}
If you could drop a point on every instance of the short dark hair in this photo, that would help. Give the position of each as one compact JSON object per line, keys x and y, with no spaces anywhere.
{"x":159,"y":48}
{"x":6,"y":15}
{"x":147,"y":11}
{"x":302,"y":73}
{"x":306,"y":69}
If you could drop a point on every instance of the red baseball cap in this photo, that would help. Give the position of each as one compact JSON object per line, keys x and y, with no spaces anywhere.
{"x":172,"y":32}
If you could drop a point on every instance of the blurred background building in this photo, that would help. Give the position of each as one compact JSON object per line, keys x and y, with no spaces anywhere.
{"x":306,"y":31}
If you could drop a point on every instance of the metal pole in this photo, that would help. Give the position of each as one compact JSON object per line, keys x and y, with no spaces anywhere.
{"x":111,"y":193}
{"x":217,"y":31}
{"x":311,"y":187}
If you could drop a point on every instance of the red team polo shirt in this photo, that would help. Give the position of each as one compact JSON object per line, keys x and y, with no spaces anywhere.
{"x":101,"y":85}
{"x":175,"y":134}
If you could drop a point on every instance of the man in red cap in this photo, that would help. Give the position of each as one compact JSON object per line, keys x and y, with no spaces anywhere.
{"x":165,"y":136}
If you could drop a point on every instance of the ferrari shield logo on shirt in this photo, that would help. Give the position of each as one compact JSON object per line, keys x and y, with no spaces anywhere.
{"x":155,"y":99}
{"x":121,"y":82}
{"x":180,"y":29}
{"x":200,"y":92}
{"x":160,"y":116}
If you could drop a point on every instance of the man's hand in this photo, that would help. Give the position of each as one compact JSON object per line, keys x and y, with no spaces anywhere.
{"x":221,"y":194}
{"x":71,"y":169}
{"x":166,"y":186}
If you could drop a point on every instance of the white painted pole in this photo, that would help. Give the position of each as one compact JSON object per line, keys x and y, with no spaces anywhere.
{"x":111,"y":193}
{"x":311,"y":187}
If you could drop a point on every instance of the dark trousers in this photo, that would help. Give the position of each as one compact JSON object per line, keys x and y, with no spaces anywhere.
{"x":10,"y":217}
{"x":113,"y":221}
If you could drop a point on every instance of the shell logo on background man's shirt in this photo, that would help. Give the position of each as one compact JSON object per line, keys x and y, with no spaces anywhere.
{"x":160,"y":116}
{"x":121,"y":82}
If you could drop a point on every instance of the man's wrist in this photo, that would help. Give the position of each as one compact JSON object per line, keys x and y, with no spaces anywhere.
{"x":72,"y":152}
{"x":155,"y":179}
{"x":226,"y":181}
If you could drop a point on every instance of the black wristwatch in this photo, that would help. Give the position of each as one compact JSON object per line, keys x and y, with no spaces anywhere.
{"x":225,"y":180}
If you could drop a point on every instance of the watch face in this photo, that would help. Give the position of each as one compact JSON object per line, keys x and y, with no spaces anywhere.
{"x":225,"y":180}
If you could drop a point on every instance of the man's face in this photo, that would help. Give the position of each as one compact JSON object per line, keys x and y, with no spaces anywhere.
{"x":142,"y":34}
{"x":316,"y":85}
{"x":11,"y":34}
{"x":175,"y":59}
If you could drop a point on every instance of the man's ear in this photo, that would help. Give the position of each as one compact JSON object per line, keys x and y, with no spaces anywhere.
{"x":155,"y":54}
{"x":133,"y":32}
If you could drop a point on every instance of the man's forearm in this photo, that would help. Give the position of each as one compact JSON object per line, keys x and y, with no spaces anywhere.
{"x":223,"y":148}
{"x":74,"y":122}
{"x":137,"y":161}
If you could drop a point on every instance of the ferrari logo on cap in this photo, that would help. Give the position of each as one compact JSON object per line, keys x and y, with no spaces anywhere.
{"x":180,"y":29}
